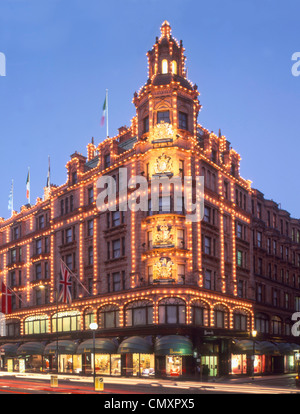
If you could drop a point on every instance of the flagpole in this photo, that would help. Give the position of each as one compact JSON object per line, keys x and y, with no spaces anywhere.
{"x":106,"y":113}
{"x":73,"y":274}
{"x":57,"y":327}
{"x":28,"y":185}
{"x":12,"y":197}
{"x":48,"y":178}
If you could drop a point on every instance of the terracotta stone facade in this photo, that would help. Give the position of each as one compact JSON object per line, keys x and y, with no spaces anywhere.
{"x":154,"y":273}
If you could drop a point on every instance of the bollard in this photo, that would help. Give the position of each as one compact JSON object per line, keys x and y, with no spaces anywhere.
{"x":99,"y":384}
{"x":54,"y":381}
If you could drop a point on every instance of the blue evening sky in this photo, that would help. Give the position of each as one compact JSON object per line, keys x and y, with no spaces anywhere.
{"x":61,"y":55}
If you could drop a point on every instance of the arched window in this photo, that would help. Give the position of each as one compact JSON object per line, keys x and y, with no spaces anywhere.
{"x":66,"y":321}
{"x":36,"y":324}
{"x":174,"y":67}
{"x":139,"y":313}
{"x":88,"y":318}
{"x":261,"y":323}
{"x":164,"y":66}
{"x":240,"y":319}
{"x":200,"y":313}
{"x":221,"y":316}
{"x":171,"y":310}
{"x":109,"y":316}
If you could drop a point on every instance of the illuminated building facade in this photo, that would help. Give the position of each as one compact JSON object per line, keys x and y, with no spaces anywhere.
{"x":167,"y":293}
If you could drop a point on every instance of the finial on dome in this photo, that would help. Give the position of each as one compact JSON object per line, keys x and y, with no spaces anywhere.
{"x":165,"y":29}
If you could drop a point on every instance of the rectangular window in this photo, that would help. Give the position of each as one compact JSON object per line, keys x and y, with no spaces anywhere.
{"x":259,"y":210}
{"x":207,"y":245}
{"x":107,"y":161}
{"x":146,"y":124}
{"x":69,"y":261}
{"x":46,"y":269}
{"x":38,"y":272}
{"x":90,"y":195}
{"x":239,"y":258}
{"x":90,"y":255}
{"x":47,"y":247}
{"x":226,"y":190}
{"x":41,"y":222}
{"x":90,"y":225}
{"x":239,"y":231}
{"x":207,"y":279}
{"x":163,"y":116}
{"x":69,"y":235}
{"x":259,"y":239}
{"x":116,"y":245}
{"x":116,"y":277}
{"x":183,"y":121}
{"x":240,"y":289}
{"x":115,"y":218}
{"x":207,"y":214}
{"x":38,"y":246}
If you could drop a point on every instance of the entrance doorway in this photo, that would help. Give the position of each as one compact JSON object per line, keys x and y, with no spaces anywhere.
{"x":212,"y":363}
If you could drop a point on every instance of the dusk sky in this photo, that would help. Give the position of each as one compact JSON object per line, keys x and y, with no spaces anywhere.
{"x":61,"y":56}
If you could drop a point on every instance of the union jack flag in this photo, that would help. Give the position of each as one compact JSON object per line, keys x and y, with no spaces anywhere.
{"x":65,"y":284}
{"x":6,"y":299}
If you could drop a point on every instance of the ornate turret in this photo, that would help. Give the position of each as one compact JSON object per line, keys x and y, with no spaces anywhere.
{"x":168,"y":96}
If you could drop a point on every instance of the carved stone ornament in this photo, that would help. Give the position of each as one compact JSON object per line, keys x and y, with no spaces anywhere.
{"x":163,"y":235}
{"x":162,"y":269}
{"x":163,"y":165}
{"x":163,"y":132}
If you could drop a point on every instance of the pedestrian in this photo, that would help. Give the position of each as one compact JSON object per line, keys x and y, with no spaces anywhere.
{"x":205,"y":372}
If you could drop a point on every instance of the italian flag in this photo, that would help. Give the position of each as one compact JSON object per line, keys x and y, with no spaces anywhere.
{"x":104,"y":110}
{"x":28,"y":186}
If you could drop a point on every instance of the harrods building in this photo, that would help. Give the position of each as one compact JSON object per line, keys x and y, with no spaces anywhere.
{"x":168,"y":294}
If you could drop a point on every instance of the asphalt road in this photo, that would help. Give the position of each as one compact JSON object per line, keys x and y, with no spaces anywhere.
{"x":131,"y":386}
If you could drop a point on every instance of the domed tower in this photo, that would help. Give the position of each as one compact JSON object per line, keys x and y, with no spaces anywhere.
{"x":168,"y":96}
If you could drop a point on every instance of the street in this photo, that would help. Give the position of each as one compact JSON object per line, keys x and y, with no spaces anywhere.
{"x":40,"y":384}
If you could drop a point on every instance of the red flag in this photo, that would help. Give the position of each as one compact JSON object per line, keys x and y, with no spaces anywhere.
{"x":6,"y":299}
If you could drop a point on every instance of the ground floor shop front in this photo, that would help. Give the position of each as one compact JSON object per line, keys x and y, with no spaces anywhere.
{"x":170,"y":356}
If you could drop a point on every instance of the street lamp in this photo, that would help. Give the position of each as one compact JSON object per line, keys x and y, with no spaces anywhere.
{"x":94,"y":327}
{"x":254,"y":333}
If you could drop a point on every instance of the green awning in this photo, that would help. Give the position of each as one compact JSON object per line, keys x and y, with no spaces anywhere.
{"x":102,"y":346}
{"x":245,"y":346}
{"x":9,"y":350}
{"x":269,"y":348}
{"x":173,"y":345}
{"x":135,"y":345}
{"x":284,"y":348}
{"x":31,"y":348}
{"x":64,"y":347}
